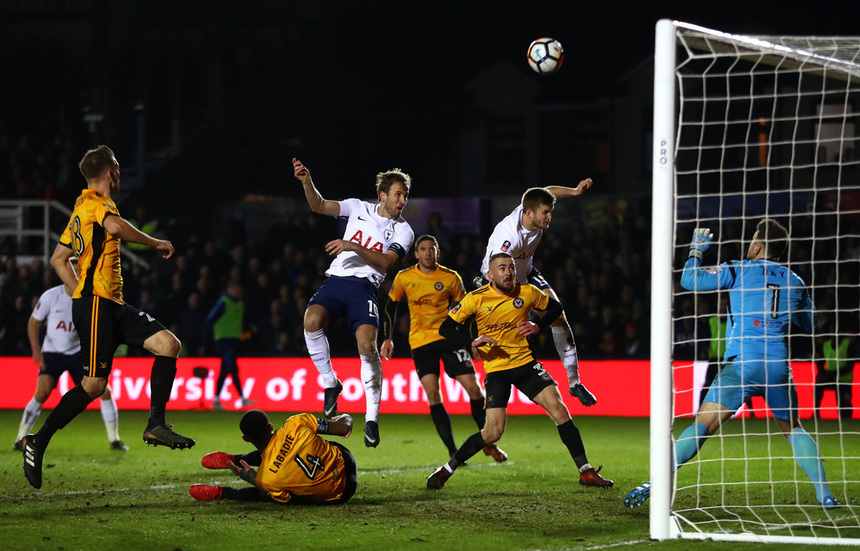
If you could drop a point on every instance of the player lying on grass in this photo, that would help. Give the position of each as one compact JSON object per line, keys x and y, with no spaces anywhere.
{"x":764,"y":299}
{"x":295,"y":465}
{"x":501,"y":310}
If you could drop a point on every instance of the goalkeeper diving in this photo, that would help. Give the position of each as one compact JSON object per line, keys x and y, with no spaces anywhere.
{"x":764,"y":299}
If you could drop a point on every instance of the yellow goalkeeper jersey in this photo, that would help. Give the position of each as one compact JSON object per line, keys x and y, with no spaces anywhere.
{"x":297,"y":462}
{"x":428,"y":297}
{"x":96,"y":249}
{"x":497,"y":316}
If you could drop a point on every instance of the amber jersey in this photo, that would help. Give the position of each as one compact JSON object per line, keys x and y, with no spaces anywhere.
{"x":96,"y":249}
{"x":297,"y":462}
{"x":428,"y":297}
{"x":497,"y":316}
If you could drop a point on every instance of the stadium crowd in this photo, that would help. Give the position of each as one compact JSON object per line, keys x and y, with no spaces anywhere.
{"x":601,"y":274}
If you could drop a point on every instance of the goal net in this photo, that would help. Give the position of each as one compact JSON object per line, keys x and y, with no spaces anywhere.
{"x":745,"y":128}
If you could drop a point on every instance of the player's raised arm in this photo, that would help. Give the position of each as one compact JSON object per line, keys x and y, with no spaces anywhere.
{"x":696,"y":278}
{"x":315,"y":199}
{"x":563,"y":191}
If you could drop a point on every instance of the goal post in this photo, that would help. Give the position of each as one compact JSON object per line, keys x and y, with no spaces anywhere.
{"x":747,"y":127}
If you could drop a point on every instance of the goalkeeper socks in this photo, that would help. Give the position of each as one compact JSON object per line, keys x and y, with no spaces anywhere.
{"x":371,"y":376}
{"x":320,"y":354}
{"x":71,"y":404}
{"x":470,"y":447}
{"x":29,"y":418}
{"x":110,"y":415}
{"x":569,"y":434}
{"x":443,"y":426}
{"x":806,"y":454}
{"x":478,"y":412}
{"x":689,"y":442}
{"x":562,"y":338}
{"x":160,"y":386}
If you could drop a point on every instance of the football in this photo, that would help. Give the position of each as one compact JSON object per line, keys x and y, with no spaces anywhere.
{"x":545,"y":55}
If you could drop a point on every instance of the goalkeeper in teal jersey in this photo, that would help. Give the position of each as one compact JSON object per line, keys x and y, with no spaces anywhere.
{"x":764,"y":299}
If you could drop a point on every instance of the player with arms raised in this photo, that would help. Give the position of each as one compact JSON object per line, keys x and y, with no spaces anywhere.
{"x":518,"y":235}
{"x":764,"y":299}
{"x":430,"y":289}
{"x":375,"y":239}
{"x":501,"y":311}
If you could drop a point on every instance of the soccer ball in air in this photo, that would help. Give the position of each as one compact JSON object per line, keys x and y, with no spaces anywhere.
{"x":545,"y":55}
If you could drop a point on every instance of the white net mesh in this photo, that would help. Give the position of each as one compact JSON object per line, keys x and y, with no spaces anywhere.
{"x":768,"y":127}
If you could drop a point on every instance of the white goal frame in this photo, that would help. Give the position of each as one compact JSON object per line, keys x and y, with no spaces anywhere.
{"x":663,"y":524}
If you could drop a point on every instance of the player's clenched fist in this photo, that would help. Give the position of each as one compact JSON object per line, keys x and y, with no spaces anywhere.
{"x":300,"y":171}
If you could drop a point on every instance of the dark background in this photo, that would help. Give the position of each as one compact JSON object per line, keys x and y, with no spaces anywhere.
{"x":206,"y":102}
{"x":217,"y":96}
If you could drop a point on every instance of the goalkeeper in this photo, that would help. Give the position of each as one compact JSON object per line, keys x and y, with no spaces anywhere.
{"x":764,"y":298}
{"x":296,"y":465}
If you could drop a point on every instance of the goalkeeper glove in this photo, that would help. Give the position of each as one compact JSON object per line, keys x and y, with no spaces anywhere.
{"x":701,"y":242}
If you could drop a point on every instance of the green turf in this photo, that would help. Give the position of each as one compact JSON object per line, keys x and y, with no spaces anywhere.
{"x":94,"y":498}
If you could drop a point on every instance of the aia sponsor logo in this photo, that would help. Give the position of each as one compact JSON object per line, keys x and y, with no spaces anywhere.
{"x":368,"y":243}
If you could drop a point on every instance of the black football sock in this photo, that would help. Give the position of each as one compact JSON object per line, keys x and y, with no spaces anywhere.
{"x":478,"y":412}
{"x":160,"y":385}
{"x":443,"y":426}
{"x":470,"y":447}
{"x":71,"y":404}
{"x":570,"y":437}
{"x":254,"y":458}
{"x":251,"y":493}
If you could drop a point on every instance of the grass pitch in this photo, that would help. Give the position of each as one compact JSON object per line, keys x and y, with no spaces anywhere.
{"x":95,"y":498}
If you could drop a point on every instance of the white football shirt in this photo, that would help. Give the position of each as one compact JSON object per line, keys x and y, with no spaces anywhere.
{"x":511,"y":237}
{"x":55,"y":309}
{"x":371,"y":231}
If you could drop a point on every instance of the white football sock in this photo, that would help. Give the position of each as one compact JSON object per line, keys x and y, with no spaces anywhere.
{"x":320,"y":354}
{"x":371,"y":376}
{"x":562,"y":338}
{"x":110,"y":415}
{"x":29,"y":418}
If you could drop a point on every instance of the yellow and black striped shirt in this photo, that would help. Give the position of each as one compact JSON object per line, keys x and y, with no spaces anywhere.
{"x":297,"y":462}
{"x":429,"y":297}
{"x":96,"y":249}
{"x":498,"y":316}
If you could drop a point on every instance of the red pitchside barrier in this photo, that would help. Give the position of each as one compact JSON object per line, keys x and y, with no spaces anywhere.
{"x":290,"y":384}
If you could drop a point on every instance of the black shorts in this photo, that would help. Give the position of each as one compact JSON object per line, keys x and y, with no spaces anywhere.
{"x":530,"y":379}
{"x":538,"y":280}
{"x":103,"y":325}
{"x":456,"y":359}
{"x":350,"y":470}
{"x":55,"y":363}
